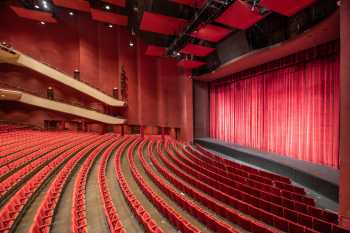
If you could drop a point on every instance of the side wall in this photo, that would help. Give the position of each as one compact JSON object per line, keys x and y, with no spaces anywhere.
{"x":159,"y":95}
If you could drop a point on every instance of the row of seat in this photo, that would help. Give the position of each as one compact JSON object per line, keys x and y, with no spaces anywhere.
{"x":232,"y":216}
{"x":13,"y":208}
{"x":110,"y":211}
{"x":10,"y":182}
{"x":247,"y":186}
{"x":18,"y":136}
{"x":45,"y":213}
{"x":252,"y":176}
{"x":259,"y":208}
{"x":138,"y":210}
{"x":5,"y":128}
{"x":227,"y":162}
{"x":313,"y":211}
{"x":19,"y":145}
{"x":24,"y":157}
{"x":78,"y":210}
{"x":34,"y":140}
{"x":171,"y":214}
{"x":6,"y":160}
{"x":254,"y":187}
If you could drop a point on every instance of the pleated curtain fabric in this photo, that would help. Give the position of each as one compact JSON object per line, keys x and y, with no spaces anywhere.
{"x":292,"y":110}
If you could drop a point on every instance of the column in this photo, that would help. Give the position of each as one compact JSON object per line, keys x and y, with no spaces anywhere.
{"x":344,"y":183}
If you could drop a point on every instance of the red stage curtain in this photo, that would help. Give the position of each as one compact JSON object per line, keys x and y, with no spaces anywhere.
{"x":287,"y":107}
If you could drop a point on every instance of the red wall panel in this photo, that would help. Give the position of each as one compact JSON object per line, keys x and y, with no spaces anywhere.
{"x":147,"y":76}
{"x":128,"y":62}
{"x":158,"y":94}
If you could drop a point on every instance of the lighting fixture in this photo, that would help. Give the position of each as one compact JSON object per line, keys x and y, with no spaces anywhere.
{"x":131,"y":44}
{"x":107,"y":7}
{"x":110,"y":25}
{"x":45,"y":4}
{"x":42,"y":22}
{"x":71,"y":13}
{"x":37,"y":7}
{"x":254,"y":5}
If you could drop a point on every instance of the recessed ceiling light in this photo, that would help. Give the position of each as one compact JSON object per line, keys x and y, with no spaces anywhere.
{"x":37,"y":7}
{"x":45,"y":4}
{"x":42,"y":22}
{"x":107,"y":7}
{"x":110,"y":25}
{"x":71,"y":13}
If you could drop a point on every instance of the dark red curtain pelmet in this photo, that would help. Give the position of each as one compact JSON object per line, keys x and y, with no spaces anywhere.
{"x":289,"y":106}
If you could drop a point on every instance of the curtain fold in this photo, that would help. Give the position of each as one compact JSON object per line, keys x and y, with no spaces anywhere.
{"x":292,"y":111}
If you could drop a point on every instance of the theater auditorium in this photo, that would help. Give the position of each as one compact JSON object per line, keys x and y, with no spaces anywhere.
{"x":175,"y":116}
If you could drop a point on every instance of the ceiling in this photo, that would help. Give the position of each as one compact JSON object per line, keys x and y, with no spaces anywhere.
{"x":187,"y":30}
{"x":325,"y":31}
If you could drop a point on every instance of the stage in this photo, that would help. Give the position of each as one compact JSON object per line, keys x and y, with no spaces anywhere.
{"x":321,"y":179}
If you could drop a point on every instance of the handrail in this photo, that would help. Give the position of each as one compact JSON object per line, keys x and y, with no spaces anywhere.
{"x":15,"y":52}
{"x":18,"y":88}
{"x":53,"y":105}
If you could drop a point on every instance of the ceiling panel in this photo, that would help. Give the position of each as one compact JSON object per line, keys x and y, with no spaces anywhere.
{"x":239,"y":15}
{"x":161,"y":24}
{"x":34,"y":14}
{"x":153,"y":50}
{"x":80,"y":5}
{"x":116,"y":2}
{"x":190,"y":64}
{"x":211,"y":33}
{"x":196,"y":50}
{"x":286,"y":7}
{"x":109,"y":17}
{"x":193,"y":3}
